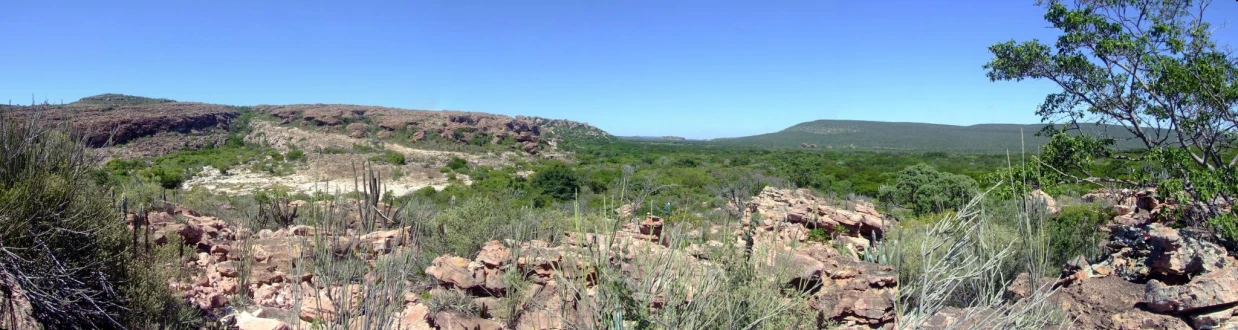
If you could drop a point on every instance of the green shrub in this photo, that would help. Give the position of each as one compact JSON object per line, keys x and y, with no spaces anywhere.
{"x":452,"y":301}
{"x":457,"y":163}
{"x":168,"y":178}
{"x":1226,"y":226}
{"x":463,"y":229}
{"x":1075,"y":232}
{"x":295,"y":155}
{"x":818,"y":235}
{"x":923,"y":189}
{"x":333,"y":150}
{"x":361,"y":148}
{"x":389,"y":157}
{"x":556,"y":181}
{"x":63,"y":243}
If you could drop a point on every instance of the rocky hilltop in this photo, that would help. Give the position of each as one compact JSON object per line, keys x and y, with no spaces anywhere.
{"x":117,"y":119}
{"x":104,"y":123}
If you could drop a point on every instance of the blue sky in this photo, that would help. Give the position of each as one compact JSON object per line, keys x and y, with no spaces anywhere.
{"x":694,"y":68}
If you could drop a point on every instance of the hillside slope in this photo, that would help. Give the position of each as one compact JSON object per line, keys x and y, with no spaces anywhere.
{"x":164,"y":125}
{"x":894,"y":136}
{"x":529,"y":134}
{"x":114,"y":119}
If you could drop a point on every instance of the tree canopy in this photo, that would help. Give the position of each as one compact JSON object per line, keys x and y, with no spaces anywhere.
{"x":1151,"y":67}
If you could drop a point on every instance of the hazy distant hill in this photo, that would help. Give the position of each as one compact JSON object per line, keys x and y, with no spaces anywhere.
{"x":871,"y":135}
{"x":654,"y":138}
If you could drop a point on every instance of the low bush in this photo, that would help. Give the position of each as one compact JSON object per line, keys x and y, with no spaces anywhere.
{"x":1075,"y":232}
{"x":295,"y":155}
{"x":457,"y":163}
{"x":389,"y":157}
{"x":463,"y":229}
{"x":62,"y":241}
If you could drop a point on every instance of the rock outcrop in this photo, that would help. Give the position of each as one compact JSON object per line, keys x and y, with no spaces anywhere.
{"x":1152,"y":276}
{"x":114,"y":124}
{"x":784,"y":209}
{"x":840,"y":287}
{"x":524,"y":133}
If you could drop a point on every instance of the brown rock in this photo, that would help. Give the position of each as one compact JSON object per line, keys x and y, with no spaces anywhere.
{"x":494,"y":254}
{"x":263,"y":324}
{"x":1146,"y":200}
{"x":449,"y":321}
{"x":191,"y":233}
{"x":1122,"y":209}
{"x":1213,"y":289}
{"x":414,"y":318}
{"x":1038,"y":198}
{"x":317,"y":308}
{"x":454,"y":271}
{"x":103,"y":124}
{"x":652,"y":226}
{"x":228,"y":285}
{"x":227,"y":268}
{"x":1220,"y":319}
{"x":1109,"y":303}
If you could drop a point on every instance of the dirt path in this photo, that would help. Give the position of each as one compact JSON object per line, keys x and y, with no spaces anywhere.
{"x":334,"y":172}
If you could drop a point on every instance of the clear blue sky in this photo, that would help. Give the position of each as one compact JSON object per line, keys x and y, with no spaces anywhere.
{"x":693,"y":68}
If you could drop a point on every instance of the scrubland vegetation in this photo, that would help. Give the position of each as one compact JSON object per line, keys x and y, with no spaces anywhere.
{"x":647,"y":235}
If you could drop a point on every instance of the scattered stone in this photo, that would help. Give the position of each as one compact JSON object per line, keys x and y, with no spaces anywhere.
{"x":263,"y":324}
{"x":1214,"y":289}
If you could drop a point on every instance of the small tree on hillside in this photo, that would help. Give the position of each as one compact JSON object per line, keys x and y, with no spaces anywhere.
{"x":1151,"y":67}
{"x":924,"y":190}
{"x":556,"y":181}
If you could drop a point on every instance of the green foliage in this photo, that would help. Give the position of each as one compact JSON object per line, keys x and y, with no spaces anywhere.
{"x":62,"y":242}
{"x":1074,"y":231}
{"x":462,"y":230}
{"x":855,"y":135}
{"x":1226,"y":226}
{"x":295,"y":155}
{"x":818,"y":235}
{"x":925,"y":190}
{"x":556,"y":181}
{"x":168,"y":178}
{"x":121,"y":99}
{"x":389,"y":157}
{"x":453,"y":301}
{"x":362,"y":148}
{"x":1169,"y":87}
{"x":333,"y":150}
{"x":457,"y":163}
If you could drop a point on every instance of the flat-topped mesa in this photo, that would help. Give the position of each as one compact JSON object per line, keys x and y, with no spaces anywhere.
{"x":419,"y":125}
{"x":112,"y":124}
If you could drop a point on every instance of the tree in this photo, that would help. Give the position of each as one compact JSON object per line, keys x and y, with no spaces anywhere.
{"x":556,"y":181}
{"x":1151,"y":67}
{"x":923,"y":189}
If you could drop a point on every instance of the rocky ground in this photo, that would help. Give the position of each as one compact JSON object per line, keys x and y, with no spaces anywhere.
{"x":242,"y":271}
{"x":1151,"y":276}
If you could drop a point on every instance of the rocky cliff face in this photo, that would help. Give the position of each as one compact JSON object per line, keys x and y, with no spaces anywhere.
{"x":115,"y":119}
{"x":530,"y":134}
{"x":114,"y":124}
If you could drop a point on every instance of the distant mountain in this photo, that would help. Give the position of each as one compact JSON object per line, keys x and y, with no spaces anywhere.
{"x":121,"y":99}
{"x":654,"y":138}
{"x":872,"y":135}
